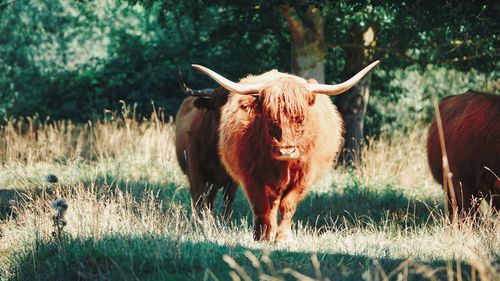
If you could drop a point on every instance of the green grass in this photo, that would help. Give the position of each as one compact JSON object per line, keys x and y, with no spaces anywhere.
{"x":129,"y":215}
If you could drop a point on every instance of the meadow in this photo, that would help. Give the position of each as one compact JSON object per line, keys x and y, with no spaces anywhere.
{"x":129,"y":214}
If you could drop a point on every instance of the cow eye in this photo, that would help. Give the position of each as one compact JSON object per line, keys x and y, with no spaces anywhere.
{"x":275,"y":131}
{"x":259,"y":101}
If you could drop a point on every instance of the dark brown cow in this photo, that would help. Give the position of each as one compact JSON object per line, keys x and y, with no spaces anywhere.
{"x":196,"y":137}
{"x":278,"y":134}
{"x":471,"y":127}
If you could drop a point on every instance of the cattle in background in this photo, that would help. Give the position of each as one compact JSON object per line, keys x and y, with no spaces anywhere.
{"x":471,"y":127}
{"x":278,"y":134}
{"x":196,"y":136}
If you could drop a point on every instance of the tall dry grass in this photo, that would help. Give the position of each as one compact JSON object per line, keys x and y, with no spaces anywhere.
{"x":31,"y":140}
{"x":125,"y":150}
{"x":122,"y":147}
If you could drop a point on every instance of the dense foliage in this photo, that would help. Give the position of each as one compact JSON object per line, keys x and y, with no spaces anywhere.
{"x":74,"y":59}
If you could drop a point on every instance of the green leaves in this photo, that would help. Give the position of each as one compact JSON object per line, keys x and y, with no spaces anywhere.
{"x":73,"y":59}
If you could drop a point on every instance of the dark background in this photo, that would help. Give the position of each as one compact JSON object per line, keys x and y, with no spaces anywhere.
{"x":75,"y":59}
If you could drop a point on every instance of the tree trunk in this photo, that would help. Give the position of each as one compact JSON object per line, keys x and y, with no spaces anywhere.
{"x":308,"y":61}
{"x":308,"y":48}
{"x":352,"y":104}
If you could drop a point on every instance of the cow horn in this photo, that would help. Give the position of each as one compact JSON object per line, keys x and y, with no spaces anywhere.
{"x":342,"y":87}
{"x":236,"y":88}
{"x":190,"y":92}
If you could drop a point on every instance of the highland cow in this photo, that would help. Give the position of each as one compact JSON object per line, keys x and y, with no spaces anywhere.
{"x":471,"y":128}
{"x":278,"y":134}
{"x":196,"y":137}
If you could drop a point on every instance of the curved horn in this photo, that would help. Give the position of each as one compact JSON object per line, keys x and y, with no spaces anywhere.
{"x":236,"y":88}
{"x":190,"y":92}
{"x":342,"y":87}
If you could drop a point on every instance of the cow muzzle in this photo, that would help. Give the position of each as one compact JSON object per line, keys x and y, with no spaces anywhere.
{"x":288,"y":152}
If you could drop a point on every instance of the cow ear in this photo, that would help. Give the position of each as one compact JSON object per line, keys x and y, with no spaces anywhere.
{"x":203,"y":103}
{"x":220,"y":98}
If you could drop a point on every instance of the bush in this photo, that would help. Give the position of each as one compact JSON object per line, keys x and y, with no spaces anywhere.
{"x":402,"y":98}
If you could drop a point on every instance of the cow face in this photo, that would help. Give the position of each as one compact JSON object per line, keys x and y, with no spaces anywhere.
{"x":283,"y":102}
{"x":285,"y":105}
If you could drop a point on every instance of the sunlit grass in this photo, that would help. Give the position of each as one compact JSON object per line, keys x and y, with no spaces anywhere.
{"x":129,"y":214}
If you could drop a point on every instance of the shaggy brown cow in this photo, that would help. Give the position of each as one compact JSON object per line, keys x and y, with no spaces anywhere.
{"x":471,"y":127}
{"x":196,"y":137}
{"x":278,"y":134}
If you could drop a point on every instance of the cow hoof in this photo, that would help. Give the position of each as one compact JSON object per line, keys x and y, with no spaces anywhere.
{"x":284,"y":239}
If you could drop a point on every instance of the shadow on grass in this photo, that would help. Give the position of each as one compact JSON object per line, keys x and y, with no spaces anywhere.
{"x":355,"y":205}
{"x":351,"y":205}
{"x":165,"y":258}
{"x":11,"y":198}
{"x":7,"y":197}
{"x":170,"y":193}
{"x":162,"y":258}
{"x":364,"y":205}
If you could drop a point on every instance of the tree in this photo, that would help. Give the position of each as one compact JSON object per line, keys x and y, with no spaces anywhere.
{"x":421,"y":32}
{"x":453,"y":33}
{"x":328,"y":41}
{"x":307,"y":42}
{"x":353,"y":104}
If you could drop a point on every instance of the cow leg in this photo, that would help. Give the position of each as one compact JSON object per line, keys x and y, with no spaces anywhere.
{"x":466,"y":200}
{"x":496,"y":196}
{"x":491,"y":190}
{"x":200,"y":191}
{"x":288,"y":206}
{"x":209,"y":197}
{"x":199,"y":203}
{"x":265,"y":221}
{"x":493,"y":200}
{"x":265,"y":213}
{"x":228,"y":194}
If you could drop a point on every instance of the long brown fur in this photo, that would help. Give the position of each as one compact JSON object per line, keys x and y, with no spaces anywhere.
{"x":306,"y":120}
{"x":196,"y":138}
{"x":471,"y":127}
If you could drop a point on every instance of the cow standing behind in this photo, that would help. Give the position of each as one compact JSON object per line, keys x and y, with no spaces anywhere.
{"x":471,"y":127}
{"x":278,"y":134}
{"x":196,"y":137}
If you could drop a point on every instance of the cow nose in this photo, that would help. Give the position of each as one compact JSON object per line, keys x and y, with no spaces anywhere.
{"x":286,"y":152}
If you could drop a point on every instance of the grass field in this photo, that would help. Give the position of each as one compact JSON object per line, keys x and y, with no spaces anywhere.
{"x":129,"y":215}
